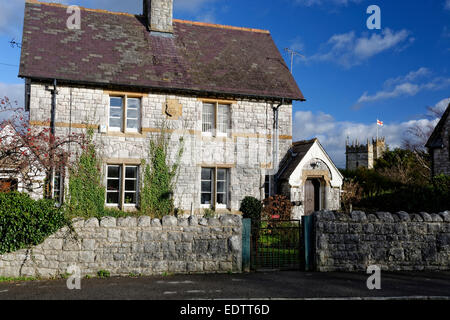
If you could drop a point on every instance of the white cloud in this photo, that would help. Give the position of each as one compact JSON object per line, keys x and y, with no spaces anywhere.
{"x":349,"y":50}
{"x":407,"y":85}
{"x":333,"y":134}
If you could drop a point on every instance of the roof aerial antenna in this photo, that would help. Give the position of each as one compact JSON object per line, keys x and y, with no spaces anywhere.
{"x":293,"y":53}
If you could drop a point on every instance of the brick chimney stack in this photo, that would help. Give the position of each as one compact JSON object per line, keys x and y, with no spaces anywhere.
{"x":159,"y":14}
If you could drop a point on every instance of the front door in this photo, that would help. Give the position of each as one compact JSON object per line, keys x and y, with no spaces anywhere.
{"x":312,"y":196}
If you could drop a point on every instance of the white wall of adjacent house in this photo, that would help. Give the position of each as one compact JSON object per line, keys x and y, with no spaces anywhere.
{"x":240,"y":158}
{"x":316,"y":160}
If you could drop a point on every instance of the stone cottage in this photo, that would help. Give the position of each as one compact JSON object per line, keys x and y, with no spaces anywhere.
{"x":439,"y":146}
{"x":226,"y":91}
{"x":310,"y":179}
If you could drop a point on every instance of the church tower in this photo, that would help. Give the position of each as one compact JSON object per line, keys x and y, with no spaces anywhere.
{"x":364,"y":155}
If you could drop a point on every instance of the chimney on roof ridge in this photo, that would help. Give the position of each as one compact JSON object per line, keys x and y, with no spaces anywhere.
{"x":159,"y":15}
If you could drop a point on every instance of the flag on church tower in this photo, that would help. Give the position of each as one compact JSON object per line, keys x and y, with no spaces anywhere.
{"x":380,"y":123}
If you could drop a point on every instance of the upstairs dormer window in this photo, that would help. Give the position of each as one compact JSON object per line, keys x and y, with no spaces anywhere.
{"x":216,"y":119}
{"x":124,"y":114}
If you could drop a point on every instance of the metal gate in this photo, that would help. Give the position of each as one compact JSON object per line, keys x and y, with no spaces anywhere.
{"x":277,"y":245}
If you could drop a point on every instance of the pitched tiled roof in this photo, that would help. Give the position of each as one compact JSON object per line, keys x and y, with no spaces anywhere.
{"x":117,"y":50}
{"x":435,"y":140}
{"x":298,"y":152}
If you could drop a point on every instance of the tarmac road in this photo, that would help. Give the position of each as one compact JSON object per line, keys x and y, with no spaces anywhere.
{"x":260,"y":285}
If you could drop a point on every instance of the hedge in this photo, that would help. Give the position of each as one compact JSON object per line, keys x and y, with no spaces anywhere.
{"x":25,"y":222}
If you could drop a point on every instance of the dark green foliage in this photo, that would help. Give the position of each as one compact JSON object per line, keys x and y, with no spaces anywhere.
{"x":86,"y":191}
{"x":252,"y":208}
{"x":25,"y":222}
{"x":400,"y":182}
{"x":156,"y":197}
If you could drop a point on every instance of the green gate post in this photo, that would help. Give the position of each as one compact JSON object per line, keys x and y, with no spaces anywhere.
{"x":307,"y":223}
{"x":246,"y":231}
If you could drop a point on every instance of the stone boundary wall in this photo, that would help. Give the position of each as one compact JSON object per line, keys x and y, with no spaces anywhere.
{"x":394,"y":242}
{"x":136,"y":246}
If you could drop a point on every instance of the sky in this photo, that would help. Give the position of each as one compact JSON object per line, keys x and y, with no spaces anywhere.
{"x":349,"y":74}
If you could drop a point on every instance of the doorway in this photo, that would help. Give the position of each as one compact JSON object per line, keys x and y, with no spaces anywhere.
{"x":312,"y":196}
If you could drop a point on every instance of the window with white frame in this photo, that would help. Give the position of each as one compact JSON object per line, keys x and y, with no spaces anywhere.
{"x":131,"y":185}
{"x":58,"y":183}
{"x":214,"y":188}
{"x":216,"y":119}
{"x":113,"y":185}
{"x":124,"y":114}
{"x":122,"y":189}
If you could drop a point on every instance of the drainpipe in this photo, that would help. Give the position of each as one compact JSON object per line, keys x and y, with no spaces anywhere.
{"x":54,"y":92}
{"x":276,"y":145}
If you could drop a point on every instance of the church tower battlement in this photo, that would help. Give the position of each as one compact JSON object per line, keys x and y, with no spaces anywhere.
{"x":364,"y":155}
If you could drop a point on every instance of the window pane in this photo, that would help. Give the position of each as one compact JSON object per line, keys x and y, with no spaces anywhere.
{"x":206,"y":186}
{"x":112,"y":198}
{"x":221,"y":198}
{"x":116,"y":102}
{"x":115,"y":122}
{"x":130,"y":198}
{"x":134,"y":103}
{"x":132,"y":124}
{"x":223,"y":118}
{"x":220,"y":186}
{"x":221,"y":174}
{"x":132,"y":113}
{"x":206,"y":174}
{"x":115,"y":112}
{"x":114,"y":185}
{"x":113,"y":172}
{"x":130,"y":185}
{"x":131,"y":172}
{"x":208,"y":117}
{"x":206,"y":198}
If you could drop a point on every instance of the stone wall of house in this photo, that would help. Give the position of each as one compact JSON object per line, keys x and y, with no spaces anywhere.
{"x":441,"y":157}
{"x":134,"y":246}
{"x":247,"y":150}
{"x":394,"y":242}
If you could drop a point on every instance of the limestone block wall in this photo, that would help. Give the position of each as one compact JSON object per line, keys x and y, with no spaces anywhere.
{"x":247,"y":150}
{"x":394,"y":242}
{"x":134,"y":246}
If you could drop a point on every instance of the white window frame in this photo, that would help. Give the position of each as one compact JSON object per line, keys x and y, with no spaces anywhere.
{"x":212,"y":188}
{"x":215,"y":119}
{"x":120,"y":185}
{"x":124,"y":117}
{"x":214,"y":181}
{"x":136,"y":183}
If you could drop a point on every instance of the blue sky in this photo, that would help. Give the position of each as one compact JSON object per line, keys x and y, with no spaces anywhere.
{"x":350,"y":75}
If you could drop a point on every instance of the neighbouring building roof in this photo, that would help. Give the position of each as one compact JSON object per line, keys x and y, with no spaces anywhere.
{"x":116,"y":49}
{"x":435,"y":140}
{"x":294,"y":157}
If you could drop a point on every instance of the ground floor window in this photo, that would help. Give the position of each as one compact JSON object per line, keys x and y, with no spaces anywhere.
{"x":122,"y":185}
{"x":214,"y":188}
{"x":58,"y":186}
{"x":8,"y":185}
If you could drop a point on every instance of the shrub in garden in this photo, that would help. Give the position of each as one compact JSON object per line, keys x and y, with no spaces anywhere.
{"x":277,"y":208}
{"x":251,"y":208}
{"x":86,"y":191}
{"x":25,"y":222}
